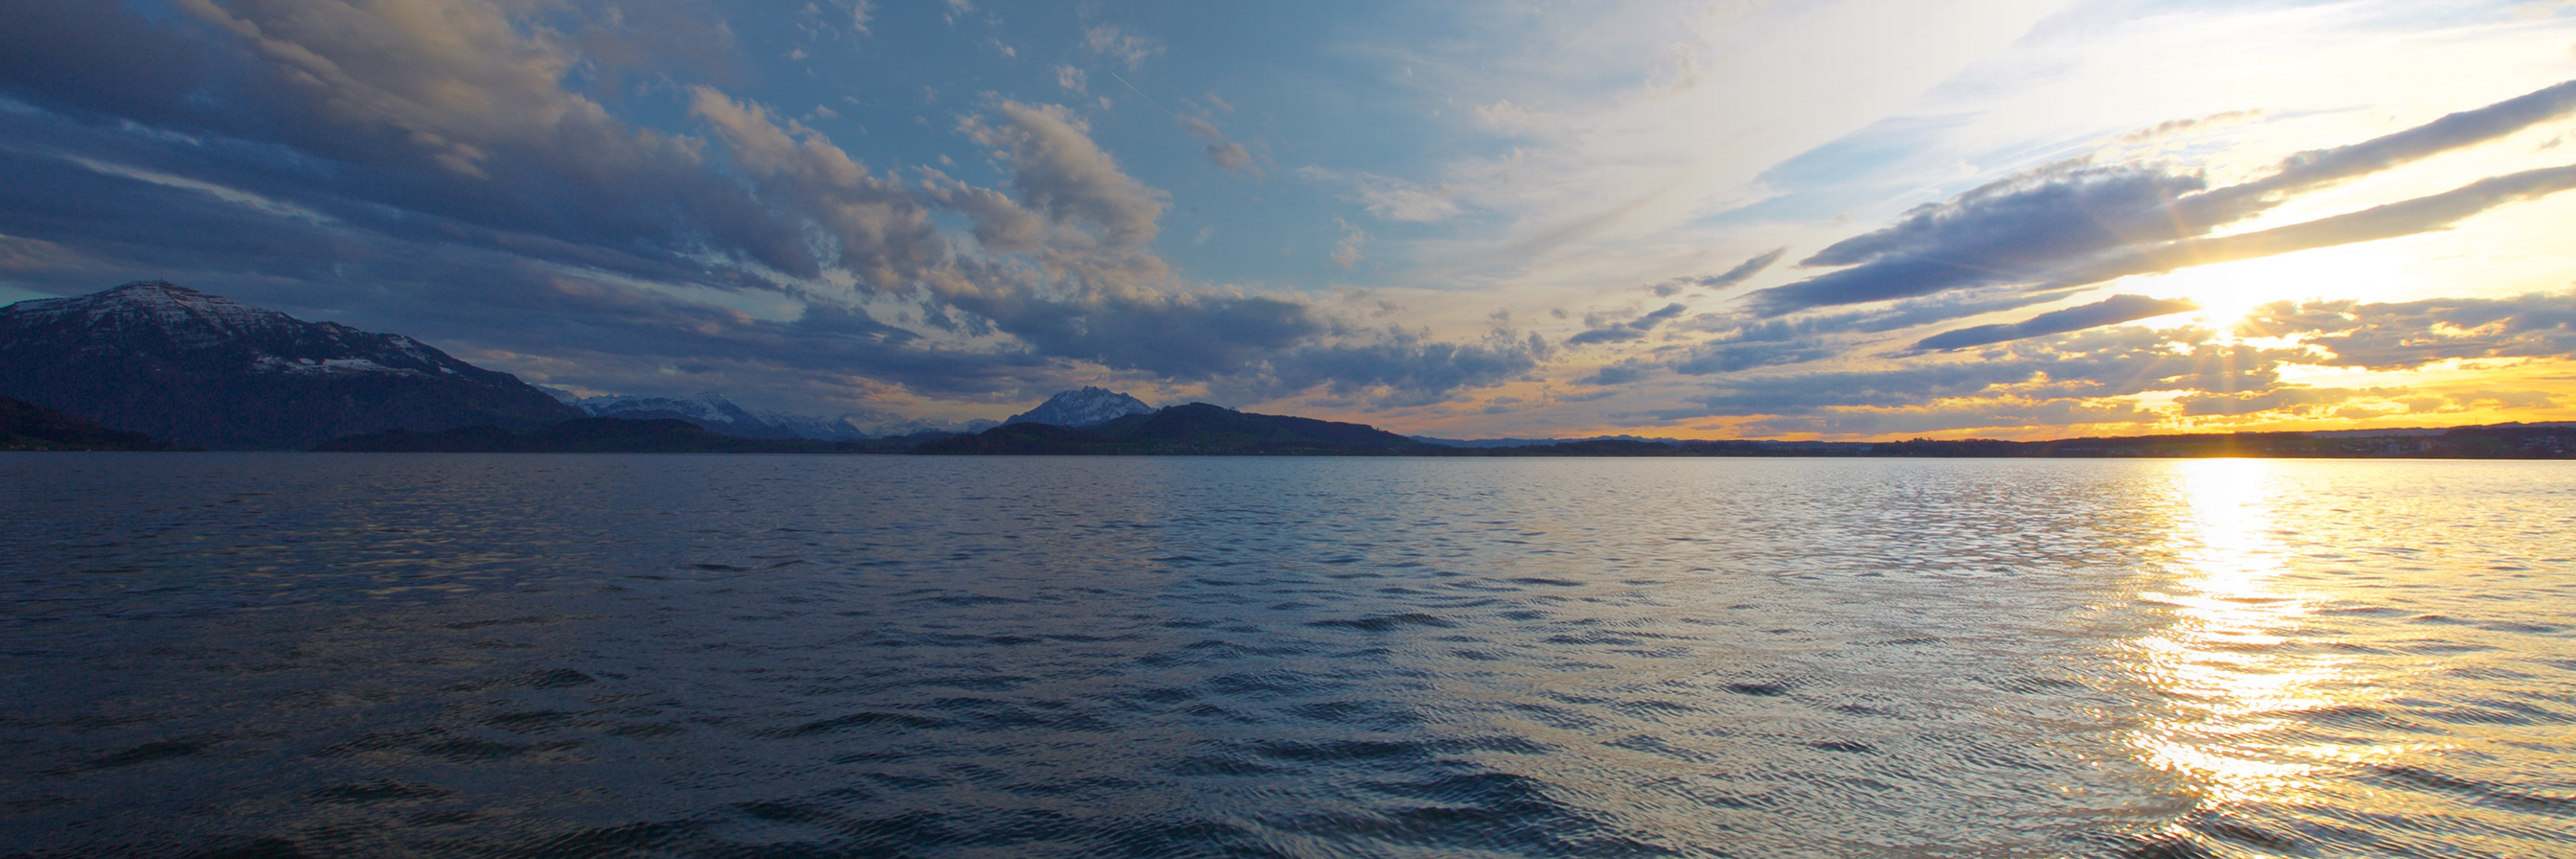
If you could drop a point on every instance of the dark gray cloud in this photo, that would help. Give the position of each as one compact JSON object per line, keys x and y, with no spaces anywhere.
{"x":1621,"y":373}
{"x":1229,"y":155}
{"x":1397,"y":368}
{"x":2075,"y":223}
{"x":1630,"y":330}
{"x":1729,"y":356}
{"x":2014,"y":231}
{"x":1742,"y":272}
{"x":1745,"y":341}
{"x":2109,"y":311}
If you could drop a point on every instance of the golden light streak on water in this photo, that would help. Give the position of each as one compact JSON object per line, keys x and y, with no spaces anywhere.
{"x":2236,"y":693}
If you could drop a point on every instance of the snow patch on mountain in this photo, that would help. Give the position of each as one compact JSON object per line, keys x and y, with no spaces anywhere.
{"x":274,"y":364}
{"x":1082,"y":408}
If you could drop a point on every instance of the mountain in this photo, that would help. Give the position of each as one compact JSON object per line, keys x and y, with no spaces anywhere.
{"x":711,"y":411}
{"x":1082,"y":408}
{"x":593,"y":435}
{"x":1193,"y":429}
{"x":199,"y":370}
{"x":27,"y":426}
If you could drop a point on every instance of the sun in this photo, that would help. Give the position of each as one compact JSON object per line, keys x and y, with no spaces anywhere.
{"x":2229,"y":292}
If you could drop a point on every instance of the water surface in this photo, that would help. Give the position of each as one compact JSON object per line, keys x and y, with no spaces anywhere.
{"x":297,"y":654}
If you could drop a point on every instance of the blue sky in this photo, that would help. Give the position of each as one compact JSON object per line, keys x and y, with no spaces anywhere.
{"x":1848,"y":220}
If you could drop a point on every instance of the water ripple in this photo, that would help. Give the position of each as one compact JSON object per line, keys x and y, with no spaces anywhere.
{"x":250,"y":655}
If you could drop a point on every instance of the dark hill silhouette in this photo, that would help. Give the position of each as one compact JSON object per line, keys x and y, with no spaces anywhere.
{"x":1193,"y":429}
{"x":202,"y":371}
{"x":593,"y":435}
{"x":27,"y":426}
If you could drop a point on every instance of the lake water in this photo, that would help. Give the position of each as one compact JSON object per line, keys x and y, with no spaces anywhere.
{"x":319,"y":655}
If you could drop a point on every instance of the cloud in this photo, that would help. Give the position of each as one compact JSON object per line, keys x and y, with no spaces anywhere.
{"x":2173,"y":128}
{"x":1746,"y":342}
{"x":876,"y":227}
{"x":1625,"y":331}
{"x":2005,"y":414}
{"x":2017,"y":230}
{"x":2278,"y":398}
{"x":1001,"y":224}
{"x":1346,"y":253}
{"x":1742,"y":272}
{"x":1389,"y":198}
{"x":2395,"y":336}
{"x":1732,"y":356}
{"x":2316,"y":167}
{"x":1399,"y":368}
{"x":1119,"y":44}
{"x":2094,"y":367}
{"x":1057,"y":169}
{"x":2109,"y":311}
{"x":2091,"y":364}
{"x":2074,"y":222}
{"x":1506,"y":117}
{"x":1072,"y":78}
{"x":433,"y":174}
{"x":1620,"y":373}
{"x":1229,"y":155}
{"x":2403,"y":218}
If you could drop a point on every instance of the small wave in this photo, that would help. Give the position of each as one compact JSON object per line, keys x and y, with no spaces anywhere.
{"x":158,"y":750}
{"x":1383,"y":623}
{"x":375,"y":791}
{"x":552,"y":678}
{"x":870,"y":719}
{"x":2477,"y":791}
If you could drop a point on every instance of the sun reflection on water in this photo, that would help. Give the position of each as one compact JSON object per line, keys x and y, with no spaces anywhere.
{"x":2234,"y":681}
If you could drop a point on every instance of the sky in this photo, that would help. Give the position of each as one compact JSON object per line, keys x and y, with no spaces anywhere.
{"x":1741,"y":219}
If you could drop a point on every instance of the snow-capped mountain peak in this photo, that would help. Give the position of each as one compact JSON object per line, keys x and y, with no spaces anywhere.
{"x":185,"y":316}
{"x":702,"y":407}
{"x":1082,"y":408}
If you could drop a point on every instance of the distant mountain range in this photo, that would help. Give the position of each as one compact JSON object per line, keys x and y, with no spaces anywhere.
{"x":198,"y":370}
{"x":596,"y":435}
{"x":711,"y":411}
{"x":1196,"y":428}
